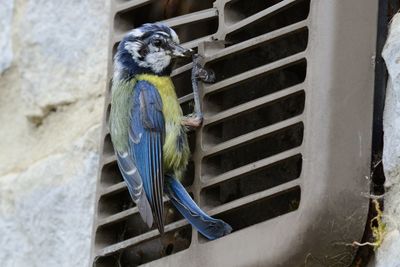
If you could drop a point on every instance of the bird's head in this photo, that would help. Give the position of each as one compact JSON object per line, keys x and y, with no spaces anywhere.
{"x":150,"y":48}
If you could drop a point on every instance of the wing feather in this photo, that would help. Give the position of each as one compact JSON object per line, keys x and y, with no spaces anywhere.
{"x":147,"y":121}
{"x":122,"y":101}
{"x":134,"y":184}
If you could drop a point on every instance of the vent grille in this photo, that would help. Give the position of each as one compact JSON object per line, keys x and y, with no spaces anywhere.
{"x":248,"y":158}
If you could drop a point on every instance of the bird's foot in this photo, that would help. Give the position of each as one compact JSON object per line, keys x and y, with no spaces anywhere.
{"x":205,"y":75}
{"x":200,"y":73}
{"x":192,"y":122}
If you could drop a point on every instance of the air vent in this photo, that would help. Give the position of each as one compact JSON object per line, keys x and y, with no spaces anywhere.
{"x":284,"y":151}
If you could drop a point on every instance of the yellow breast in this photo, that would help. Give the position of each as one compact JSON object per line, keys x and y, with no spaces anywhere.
{"x":171,"y":108}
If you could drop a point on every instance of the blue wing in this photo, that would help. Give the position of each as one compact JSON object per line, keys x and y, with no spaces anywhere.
{"x":146,"y":139}
{"x":134,"y":183}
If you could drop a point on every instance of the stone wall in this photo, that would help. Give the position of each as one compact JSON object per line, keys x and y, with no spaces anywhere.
{"x":53,"y":60}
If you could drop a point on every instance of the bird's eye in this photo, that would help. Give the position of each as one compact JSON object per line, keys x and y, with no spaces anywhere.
{"x":157,"y":42}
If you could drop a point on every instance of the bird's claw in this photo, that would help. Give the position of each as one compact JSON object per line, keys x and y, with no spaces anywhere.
{"x":205,"y":75}
{"x":192,"y":122}
{"x":200,"y":73}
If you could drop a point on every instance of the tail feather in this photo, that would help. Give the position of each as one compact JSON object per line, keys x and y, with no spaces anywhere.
{"x":206,"y":225}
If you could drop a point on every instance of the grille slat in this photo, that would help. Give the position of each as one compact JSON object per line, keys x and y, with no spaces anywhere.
{"x":251,"y":105}
{"x":262,"y":14}
{"x":117,"y":217}
{"x":121,"y":215}
{"x":192,"y":17}
{"x":251,"y":136}
{"x":186,"y":98}
{"x":113,"y":189}
{"x":259,"y":39}
{"x":190,"y":44}
{"x":181,"y":69}
{"x":251,"y":167}
{"x":181,"y":21}
{"x":109,"y":159}
{"x":194,"y":43}
{"x":254,"y":72}
{"x":135,"y":240}
{"x":254,"y":197}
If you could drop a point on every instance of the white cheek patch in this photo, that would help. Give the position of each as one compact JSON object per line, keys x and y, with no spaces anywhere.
{"x":158,"y":61}
{"x":153,"y":49}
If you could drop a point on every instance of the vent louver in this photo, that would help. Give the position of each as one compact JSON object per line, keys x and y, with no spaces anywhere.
{"x":284,"y":149}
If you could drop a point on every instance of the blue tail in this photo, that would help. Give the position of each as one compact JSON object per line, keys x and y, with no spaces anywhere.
{"x":206,"y":225}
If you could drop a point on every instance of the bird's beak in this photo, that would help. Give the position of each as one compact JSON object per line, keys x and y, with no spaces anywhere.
{"x":179,"y":51}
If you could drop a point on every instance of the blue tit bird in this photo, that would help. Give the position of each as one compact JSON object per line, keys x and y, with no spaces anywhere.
{"x":148,"y":130}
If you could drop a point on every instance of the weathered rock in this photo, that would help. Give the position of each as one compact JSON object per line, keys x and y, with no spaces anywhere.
{"x":6,"y":13}
{"x":46,"y":211}
{"x":51,"y":105}
{"x":62,"y":52}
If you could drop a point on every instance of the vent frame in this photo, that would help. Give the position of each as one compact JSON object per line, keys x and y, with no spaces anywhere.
{"x":287,"y":248}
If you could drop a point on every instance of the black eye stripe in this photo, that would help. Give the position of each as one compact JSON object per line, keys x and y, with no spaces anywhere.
{"x":158,"y":42}
{"x":146,"y":35}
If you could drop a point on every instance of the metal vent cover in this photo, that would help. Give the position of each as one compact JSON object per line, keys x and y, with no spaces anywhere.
{"x":284,"y":151}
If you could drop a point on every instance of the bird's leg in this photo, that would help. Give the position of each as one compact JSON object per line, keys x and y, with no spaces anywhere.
{"x":198,"y":73}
